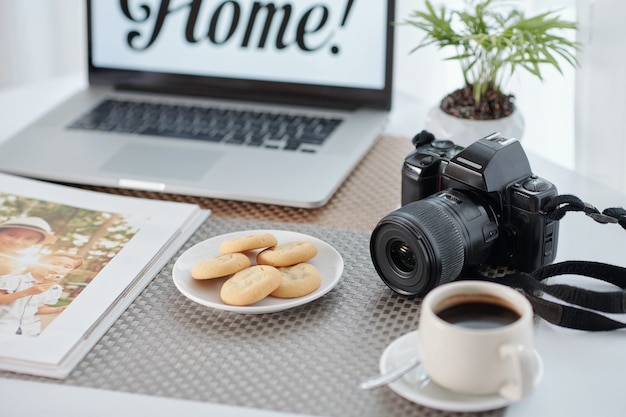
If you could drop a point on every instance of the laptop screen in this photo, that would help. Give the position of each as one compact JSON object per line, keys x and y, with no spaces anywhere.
{"x":310,"y":51}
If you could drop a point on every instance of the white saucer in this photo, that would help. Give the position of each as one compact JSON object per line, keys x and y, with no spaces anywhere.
{"x":415,"y":386}
{"x":328,"y":261}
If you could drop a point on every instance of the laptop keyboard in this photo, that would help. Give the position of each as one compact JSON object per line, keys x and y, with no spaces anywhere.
{"x":248,"y":128}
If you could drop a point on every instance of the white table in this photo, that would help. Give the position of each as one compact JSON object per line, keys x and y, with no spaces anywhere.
{"x":583,"y":371}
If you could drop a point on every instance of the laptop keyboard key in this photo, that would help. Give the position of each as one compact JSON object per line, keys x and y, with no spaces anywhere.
{"x":270,"y":130}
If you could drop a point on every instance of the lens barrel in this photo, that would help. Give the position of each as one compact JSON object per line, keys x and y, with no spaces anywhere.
{"x":428,"y":242}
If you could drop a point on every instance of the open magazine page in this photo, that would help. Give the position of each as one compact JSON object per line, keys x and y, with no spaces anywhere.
{"x":71,"y":261}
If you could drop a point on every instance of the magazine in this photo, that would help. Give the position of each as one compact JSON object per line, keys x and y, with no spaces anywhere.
{"x":71,"y":261}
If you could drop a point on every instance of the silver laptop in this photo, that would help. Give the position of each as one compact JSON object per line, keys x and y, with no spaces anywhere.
{"x":272,"y":102}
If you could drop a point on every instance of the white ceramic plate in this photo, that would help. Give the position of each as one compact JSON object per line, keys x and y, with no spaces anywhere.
{"x":417,"y":387}
{"x":207,"y":292}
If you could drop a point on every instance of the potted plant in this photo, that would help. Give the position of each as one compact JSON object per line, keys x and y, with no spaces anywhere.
{"x":491,"y":40}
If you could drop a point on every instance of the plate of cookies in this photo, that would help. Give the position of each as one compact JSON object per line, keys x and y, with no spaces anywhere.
{"x":258,"y":271}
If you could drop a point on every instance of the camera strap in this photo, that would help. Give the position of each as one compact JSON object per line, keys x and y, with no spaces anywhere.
{"x":557,"y":207}
{"x":583,"y":307}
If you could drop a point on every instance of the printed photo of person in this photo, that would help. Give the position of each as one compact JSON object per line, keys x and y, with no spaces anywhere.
{"x":49,"y":254}
{"x":18,"y":235}
{"x":25,"y":297}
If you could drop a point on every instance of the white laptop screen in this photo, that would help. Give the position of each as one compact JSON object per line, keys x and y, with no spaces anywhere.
{"x":319,"y":47}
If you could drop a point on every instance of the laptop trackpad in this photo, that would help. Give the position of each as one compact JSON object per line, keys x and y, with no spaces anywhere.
{"x":161,"y":161}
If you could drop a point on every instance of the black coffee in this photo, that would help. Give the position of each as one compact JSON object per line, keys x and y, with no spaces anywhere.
{"x":478,"y":315}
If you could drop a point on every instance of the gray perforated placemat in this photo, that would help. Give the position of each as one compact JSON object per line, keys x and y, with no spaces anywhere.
{"x":309,"y":359}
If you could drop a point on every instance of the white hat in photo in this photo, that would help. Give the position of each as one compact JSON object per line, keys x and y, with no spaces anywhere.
{"x":36,"y":224}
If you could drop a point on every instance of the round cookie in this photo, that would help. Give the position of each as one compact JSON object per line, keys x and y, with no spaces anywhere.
{"x":297,"y":281}
{"x":287,"y":254}
{"x":220,"y":266}
{"x":250,"y":285}
{"x":250,"y":242}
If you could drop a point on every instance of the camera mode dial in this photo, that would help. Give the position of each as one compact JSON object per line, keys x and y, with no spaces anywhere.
{"x":442,"y":145}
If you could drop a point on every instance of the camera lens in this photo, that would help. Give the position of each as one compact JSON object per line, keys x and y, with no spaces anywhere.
{"x":428,"y":242}
{"x":402,"y":256}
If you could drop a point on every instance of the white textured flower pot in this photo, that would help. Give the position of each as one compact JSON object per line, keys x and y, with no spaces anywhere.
{"x":466,"y":131}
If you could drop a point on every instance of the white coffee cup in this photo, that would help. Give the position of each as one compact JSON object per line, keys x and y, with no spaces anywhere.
{"x":476,"y":337}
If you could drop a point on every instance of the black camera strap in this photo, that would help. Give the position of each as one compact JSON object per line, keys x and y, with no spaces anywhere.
{"x":583,"y":306}
{"x":558,"y":206}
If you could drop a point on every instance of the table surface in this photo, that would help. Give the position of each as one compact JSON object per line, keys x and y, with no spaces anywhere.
{"x":571,"y":358}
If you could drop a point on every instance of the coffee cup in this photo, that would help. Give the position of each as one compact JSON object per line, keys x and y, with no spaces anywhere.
{"x":476,"y":337}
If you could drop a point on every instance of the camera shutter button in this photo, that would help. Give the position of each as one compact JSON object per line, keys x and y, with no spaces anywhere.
{"x":427,"y":160}
{"x":535,"y":184}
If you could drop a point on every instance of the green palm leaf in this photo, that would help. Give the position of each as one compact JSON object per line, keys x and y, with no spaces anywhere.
{"x":491,"y":41}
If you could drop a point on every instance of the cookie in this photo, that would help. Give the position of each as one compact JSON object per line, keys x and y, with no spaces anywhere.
{"x":297,"y":281}
{"x":250,"y":285}
{"x":287,"y":254}
{"x":220,"y":266}
{"x":247,"y":243}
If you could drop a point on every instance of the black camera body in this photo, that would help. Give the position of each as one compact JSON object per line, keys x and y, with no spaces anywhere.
{"x":464,"y":207}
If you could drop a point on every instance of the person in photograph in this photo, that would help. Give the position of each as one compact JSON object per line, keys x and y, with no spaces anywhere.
{"x":24,"y":297}
{"x":19,"y":234}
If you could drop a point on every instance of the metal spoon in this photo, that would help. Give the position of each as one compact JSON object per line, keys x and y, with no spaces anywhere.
{"x":384,"y":379}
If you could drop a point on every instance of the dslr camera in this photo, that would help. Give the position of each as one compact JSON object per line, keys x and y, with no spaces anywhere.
{"x":462,"y":208}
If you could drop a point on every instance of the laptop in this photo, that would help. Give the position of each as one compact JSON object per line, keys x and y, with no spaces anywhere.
{"x":272,"y":102}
